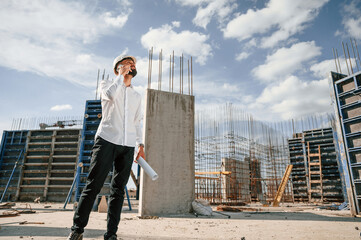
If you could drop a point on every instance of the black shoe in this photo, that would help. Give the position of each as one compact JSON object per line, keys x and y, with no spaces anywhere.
{"x":75,"y":236}
{"x":112,"y":237}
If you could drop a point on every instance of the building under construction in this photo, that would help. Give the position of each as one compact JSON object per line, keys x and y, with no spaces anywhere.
{"x":242,"y":160}
{"x":238,"y":159}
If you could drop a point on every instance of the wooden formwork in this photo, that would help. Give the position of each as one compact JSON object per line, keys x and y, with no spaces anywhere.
{"x":49,"y":164}
{"x":315,"y":173}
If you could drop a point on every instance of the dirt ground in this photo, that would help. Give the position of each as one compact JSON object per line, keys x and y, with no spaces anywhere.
{"x":294,"y":222}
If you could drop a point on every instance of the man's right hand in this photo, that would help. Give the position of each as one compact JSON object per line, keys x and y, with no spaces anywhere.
{"x":124,"y":69}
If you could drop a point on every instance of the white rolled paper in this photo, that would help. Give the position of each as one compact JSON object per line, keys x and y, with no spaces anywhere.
{"x":148,"y":169}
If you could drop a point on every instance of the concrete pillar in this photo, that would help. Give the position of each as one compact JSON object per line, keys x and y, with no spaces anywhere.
{"x":169,"y":148}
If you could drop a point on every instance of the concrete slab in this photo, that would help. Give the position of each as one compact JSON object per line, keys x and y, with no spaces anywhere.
{"x":169,"y":146}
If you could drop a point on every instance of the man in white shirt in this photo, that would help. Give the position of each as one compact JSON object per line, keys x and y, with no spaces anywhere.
{"x":118,"y":134}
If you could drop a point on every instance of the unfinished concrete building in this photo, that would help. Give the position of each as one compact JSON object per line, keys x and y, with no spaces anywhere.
{"x":238,"y":159}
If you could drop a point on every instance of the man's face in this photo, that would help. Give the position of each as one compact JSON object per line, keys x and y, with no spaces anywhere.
{"x":128,"y":63}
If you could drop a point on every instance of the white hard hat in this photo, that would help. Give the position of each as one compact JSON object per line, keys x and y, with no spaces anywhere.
{"x":121,"y":58}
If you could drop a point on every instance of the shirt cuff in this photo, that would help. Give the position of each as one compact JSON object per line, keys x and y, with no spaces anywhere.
{"x":119,"y":79}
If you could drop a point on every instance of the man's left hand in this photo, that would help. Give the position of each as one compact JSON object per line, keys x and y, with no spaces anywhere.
{"x":140,"y":153}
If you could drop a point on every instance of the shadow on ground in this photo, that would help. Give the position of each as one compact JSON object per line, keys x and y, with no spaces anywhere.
{"x":278,"y":216}
{"x":16,"y":231}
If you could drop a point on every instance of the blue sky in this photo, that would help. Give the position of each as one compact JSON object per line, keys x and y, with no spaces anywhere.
{"x":270,"y":58}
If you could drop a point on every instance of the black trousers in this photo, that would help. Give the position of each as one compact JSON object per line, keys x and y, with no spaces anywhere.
{"x":104,"y":156}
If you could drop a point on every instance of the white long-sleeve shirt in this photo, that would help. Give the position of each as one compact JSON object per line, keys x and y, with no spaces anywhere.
{"x":121,"y":113}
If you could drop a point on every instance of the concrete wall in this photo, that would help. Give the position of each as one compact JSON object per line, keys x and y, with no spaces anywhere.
{"x":169,"y":147}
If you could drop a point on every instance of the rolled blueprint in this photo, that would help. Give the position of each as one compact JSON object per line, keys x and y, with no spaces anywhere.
{"x":148,"y":169}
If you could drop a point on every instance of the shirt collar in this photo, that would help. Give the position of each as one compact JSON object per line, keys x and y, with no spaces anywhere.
{"x":123,"y":84}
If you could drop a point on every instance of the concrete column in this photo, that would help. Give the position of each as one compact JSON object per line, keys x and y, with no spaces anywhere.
{"x":169,"y":148}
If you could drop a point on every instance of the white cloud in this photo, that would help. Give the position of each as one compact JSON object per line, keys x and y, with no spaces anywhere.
{"x":276,"y":22}
{"x":61,"y":107}
{"x":286,"y":61}
{"x":124,"y":3}
{"x":208,"y":9}
{"x":353,"y":27}
{"x":352,"y":19}
{"x":243,"y":55}
{"x":322,"y":69}
{"x":191,"y":43}
{"x":294,"y":98}
{"x":176,"y":24}
{"x":117,"y":21}
{"x":51,"y":42}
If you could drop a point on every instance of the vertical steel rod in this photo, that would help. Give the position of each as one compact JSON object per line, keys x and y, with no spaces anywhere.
{"x":344,"y":53}
{"x":354,"y":55}
{"x":189,"y":81}
{"x":160,"y":70}
{"x":173,"y":71}
{"x":96,"y":90}
{"x":338,"y":60}
{"x":149,"y":69}
{"x":170,"y":71}
{"x":349,"y":58}
{"x":180,"y":74}
{"x":191,"y":76}
{"x":334,"y":57}
{"x":358,"y":54}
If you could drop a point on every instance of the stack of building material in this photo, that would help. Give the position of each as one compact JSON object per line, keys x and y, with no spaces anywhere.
{"x":13,"y":142}
{"x":308,"y":184}
{"x":49,"y":164}
{"x":297,"y":159}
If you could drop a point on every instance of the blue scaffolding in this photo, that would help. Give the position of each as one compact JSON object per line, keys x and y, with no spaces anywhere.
{"x":346,"y":97}
{"x":12,"y":144}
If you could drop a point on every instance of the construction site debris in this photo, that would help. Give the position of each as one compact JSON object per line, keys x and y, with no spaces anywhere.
{"x":228,"y":208}
{"x":11,"y":213}
{"x":202,"y":207}
{"x":26,"y":222}
{"x":343,"y":206}
{"x":27,"y":211}
{"x":237,"y":209}
{"x":148,"y":217}
{"x":282,"y":186}
{"x":7,"y":205}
